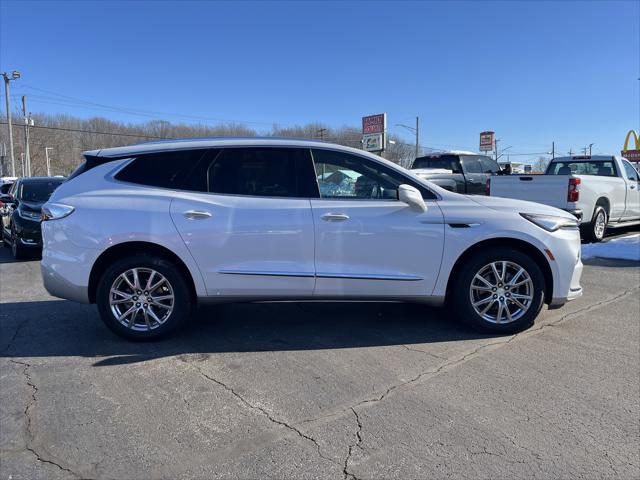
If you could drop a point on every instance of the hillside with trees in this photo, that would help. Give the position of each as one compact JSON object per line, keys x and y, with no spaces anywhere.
{"x":67,"y":137}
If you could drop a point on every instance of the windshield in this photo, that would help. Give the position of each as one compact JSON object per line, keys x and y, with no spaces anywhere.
{"x":37,"y":192}
{"x":583,"y":167}
{"x":447,"y":162}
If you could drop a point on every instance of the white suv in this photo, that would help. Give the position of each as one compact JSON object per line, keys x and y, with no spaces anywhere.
{"x":148,"y":231}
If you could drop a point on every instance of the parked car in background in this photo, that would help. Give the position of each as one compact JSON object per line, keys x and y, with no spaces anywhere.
{"x":147,"y":231}
{"x":21,"y":213}
{"x":461,"y":172}
{"x":601,"y":191}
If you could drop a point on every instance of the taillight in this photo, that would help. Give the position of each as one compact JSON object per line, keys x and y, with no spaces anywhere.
{"x":573,"y":194}
{"x":55,"y":211}
{"x":487,"y":187}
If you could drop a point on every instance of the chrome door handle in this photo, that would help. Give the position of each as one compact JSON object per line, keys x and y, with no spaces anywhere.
{"x":334,"y":217}
{"x":196,"y":215}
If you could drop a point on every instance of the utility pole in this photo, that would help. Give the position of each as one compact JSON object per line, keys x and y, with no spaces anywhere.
{"x":417,"y":137}
{"x":14,"y":76}
{"x":416,"y":133}
{"x":27,"y":120}
{"x":590,"y":145}
{"x":496,"y":147}
{"x":321,"y":132}
{"x":553,"y":150}
{"x":46,"y":154}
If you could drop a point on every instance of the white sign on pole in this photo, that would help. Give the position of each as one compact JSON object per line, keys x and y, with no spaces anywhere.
{"x":373,"y":142}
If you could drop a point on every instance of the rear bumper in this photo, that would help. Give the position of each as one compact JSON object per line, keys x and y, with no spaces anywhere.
{"x":65,"y":267}
{"x":576,"y":213}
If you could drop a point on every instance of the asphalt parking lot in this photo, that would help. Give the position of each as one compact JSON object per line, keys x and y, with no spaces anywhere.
{"x":301,"y":390}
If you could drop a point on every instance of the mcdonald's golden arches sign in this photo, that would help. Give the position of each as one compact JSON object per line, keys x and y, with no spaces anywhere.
{"x":631,"y":155}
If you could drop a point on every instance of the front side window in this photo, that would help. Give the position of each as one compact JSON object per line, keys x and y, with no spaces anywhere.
{"x":471,"y":165}
{"x":261,"y":172}
{"x":341,"y":175}
{"x":632,"y":174}
{"x":489,"y":166}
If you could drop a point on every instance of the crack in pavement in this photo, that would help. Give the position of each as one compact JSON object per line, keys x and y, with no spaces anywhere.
{"x":454,"y":363}
{"x":348,"y":475}
{"x":263,"y":411}
{"x":27,"y":414}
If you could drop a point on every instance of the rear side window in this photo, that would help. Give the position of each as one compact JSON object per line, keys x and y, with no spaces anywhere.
{"x":262,"y":172}
{"x":165,"y":169}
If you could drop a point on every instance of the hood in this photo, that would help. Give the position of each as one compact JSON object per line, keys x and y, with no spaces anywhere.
{"x":510,"y":205}
{"x":32,"y":206}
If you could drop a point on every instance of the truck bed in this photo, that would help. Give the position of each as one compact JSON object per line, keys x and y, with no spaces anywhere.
{"x":548,"y":189}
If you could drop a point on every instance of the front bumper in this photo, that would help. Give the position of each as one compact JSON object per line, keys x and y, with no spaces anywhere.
{"x":567,"y":266}
{"x":28,"y":232}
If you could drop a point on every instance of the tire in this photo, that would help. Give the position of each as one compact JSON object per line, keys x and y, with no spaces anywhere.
{"x":594,"y":231}
{"x":170,"y":315}
{"x":4,"y":242}
{"x":19,"y":252}
{"x":468,"y":289}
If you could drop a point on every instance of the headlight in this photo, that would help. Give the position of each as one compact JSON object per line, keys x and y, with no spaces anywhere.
{"x":551,"y":223}
{"x":28,"y":215}
{"x":55,"y":211}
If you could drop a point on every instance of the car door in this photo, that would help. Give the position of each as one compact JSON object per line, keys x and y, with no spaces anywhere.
{"x":368,"y":243}
{"x":475,"y":179}
{"x":632,"y":210}
{"x":251,"y":232}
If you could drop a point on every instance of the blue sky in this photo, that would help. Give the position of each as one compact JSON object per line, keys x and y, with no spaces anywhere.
{"x":532,"y":71}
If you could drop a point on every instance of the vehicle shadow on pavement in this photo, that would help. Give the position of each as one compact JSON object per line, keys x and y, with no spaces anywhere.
{"x":610,"y":262}
{"x":61,"y":328}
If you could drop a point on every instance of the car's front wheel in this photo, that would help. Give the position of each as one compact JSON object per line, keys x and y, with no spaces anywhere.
{"x":499,"y":291}
{"x":143,"y":297}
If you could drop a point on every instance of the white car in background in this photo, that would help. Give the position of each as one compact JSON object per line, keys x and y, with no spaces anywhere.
{"x":148,"y":231}
{"x":601,"y":191}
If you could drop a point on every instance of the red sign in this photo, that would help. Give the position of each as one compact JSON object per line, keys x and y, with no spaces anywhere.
{"x":373,"y":124}
{"x":487,"y":141}
{"x":631,"y":155}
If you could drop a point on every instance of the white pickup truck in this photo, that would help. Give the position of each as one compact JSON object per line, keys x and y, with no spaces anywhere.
{"x":601,"y":191}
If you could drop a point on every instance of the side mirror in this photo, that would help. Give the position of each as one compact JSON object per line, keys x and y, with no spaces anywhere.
{"x":7,"y":199}
{"x":412,"y":197}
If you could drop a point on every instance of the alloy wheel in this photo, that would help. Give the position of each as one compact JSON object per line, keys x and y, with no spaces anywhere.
{"x":501,"y":292}
{"x":600,"y":225}
{"x":141,"y":299}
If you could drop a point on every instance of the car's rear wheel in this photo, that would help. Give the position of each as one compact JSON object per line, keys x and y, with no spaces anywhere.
{"x":594,"y":231}
{"x":499,"y":291}
{"x":143,"y":297}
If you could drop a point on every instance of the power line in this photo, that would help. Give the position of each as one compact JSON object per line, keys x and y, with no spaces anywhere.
{"x":118,"y":134}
